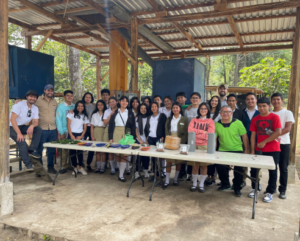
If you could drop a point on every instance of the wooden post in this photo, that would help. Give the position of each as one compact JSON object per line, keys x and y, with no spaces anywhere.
{"x":98,"y":77}
{"x":41,"y":44}
{"x":28,"y":42}
{"x":134,"y":53}
{"x":293,"y":99}
{"x":6,"y":187}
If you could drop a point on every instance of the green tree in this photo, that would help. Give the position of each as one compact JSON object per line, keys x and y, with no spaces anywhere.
{"x":268,"y":75}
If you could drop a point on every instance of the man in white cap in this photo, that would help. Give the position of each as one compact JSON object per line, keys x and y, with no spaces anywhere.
{"x":47,"y":107}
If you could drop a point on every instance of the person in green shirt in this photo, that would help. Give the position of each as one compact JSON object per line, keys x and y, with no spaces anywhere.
{"x":230,"y":131}
{"x":181,"y":99}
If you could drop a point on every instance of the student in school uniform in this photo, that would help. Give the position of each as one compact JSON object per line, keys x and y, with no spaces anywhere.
{"x":158,"y":100}
{"x":106,"y":118}
{"x":105,"y":95}
{"x":121,"y":122}
{"x":77,"y":125}
{"x":166,"y":109}
{"x":176,"y":125}
{"x":141,"y":137}
{"x":97,"y":133}
{"x":155,"y":130}
{"x":201,"y":125}
{"x":147,"y":101}
{"x":181,"y":99}
{"x":287,"y":120}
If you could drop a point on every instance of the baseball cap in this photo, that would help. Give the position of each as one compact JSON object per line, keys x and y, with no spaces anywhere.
{"x":32,"y":92}
{"x":48,"y":87}
{"x":223,"y":85}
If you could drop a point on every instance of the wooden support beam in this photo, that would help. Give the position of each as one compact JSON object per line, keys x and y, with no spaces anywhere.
{"x":294,"y":87}
{"x":73,"y":10}
{"x":45,"y":25}
{"x":28,"y":42}
{"x":13,"y":10}
{"x":4,"y":93}
{"x":21,"y":24}
{"x":42,"y":11}
{"x":96,"y":46}
{"x":97,"y":37}
{"x":103,"y":31}
{"x":183,"y":53}
{"x":99,"y":9}
{"x":134,"y":53}
{"x":75,"y":37}
{"x":103,"y":77}
{"x":223,"y":13}
{"x":41,"y":44}
{"x":98,"y":77}
{"x":155,"y":5}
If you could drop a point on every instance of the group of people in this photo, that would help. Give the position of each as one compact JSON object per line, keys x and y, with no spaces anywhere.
{"x":253,"y":130}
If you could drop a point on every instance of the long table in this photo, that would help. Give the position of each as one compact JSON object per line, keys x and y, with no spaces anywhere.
{"x":223,"y":158}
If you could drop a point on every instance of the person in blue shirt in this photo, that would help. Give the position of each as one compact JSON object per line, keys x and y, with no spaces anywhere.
{"x":61,"y":123}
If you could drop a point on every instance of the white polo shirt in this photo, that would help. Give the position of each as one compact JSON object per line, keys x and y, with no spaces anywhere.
{"x":97,"y":120}
{"x":77,"y":122}
{"x":174,"y":123}
{"x":22,"y":110}
{"x":121,"y":118}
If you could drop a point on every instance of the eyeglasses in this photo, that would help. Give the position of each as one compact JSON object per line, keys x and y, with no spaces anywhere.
{"x":195,"y":98}
{"x":203,"y":108}
{"x":225,"y":112}
{"x":29,"y":113}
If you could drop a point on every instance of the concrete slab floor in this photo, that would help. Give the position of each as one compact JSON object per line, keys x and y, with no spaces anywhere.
{"x":95,"y":207}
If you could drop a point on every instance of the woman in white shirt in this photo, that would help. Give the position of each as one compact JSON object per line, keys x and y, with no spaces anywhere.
{"x":107,"y":115}
{"x":122,"y":122}
{"x":141,"y":137}
{"x":134,"y":106}
{"x":168,"y":101}
{"x":77,"y":125}
{"x":97,"y":133}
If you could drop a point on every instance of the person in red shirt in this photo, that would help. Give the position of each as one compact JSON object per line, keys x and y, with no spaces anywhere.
{"x":267,"y":128}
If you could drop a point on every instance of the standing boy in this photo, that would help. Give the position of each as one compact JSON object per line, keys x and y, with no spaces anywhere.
{"x":266,"y":128}
{"x":287,"y":120}
{"x":181,"y":99}
{"x":105,"y":94}
{"x":158,"y":100}
{"x":61,"y":123}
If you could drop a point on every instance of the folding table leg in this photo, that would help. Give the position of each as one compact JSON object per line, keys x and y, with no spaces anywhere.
{"x":132,"y":174}
{"x":255,"y":194}
{"x":140,"y":171}
{"x":155,"y":169}
{"x":60,"y":167}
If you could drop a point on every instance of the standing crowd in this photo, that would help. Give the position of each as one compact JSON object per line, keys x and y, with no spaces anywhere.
{"x":254,"y":130}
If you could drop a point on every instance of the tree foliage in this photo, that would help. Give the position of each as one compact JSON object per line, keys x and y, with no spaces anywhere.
{"x":269,"y":75}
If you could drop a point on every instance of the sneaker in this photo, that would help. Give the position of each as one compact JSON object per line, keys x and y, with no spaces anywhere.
{"x":282,"y":195}
{"x":75,"y":171}
{"x":243,"y":185}
{"x":209,"y":182}
{"x":82,"y":171}
{"x":251,"y":194}
{"x":224,"y":188}
{"x":29,"y":167}
{"x":51,"y":170}
{"x":237,"y":193}
{"x":128,"y":172}
{"x":136,"y":175}
{"x":201,"y":189}
{"x":146,"y":174}
{"x":34,"y":154}
{"x":97,"y":170}
{"x":268,"y":198}
{"x":189,"y":178}
{"x":193,"y":189}
{"x":265,"y":192}
{"x":89,"y":169}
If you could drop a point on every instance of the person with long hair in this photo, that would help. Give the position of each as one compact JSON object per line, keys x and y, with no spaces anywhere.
{"x":122,"y":122}
{"x":97,"y":133}
{"x":155,"y":131}
{"x":134,"y":105}
{"x":166,"y":109}
{"x":77,"y":125}
{"x":143,"y":113}
{"x":90,"y":107}
{"x":106,"y":118}
{"x":176,"y":125}
{"x":147,"y":100}
{"x":201,"y":125}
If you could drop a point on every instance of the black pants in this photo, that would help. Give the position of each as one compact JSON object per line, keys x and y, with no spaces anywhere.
{"x":211,"y":170}
{"x":90,"y":153}
{"x":271,"y":188}
{"x":152,"y":141}
{"x":79,"y":153}
{"x":283,"y":166}
{"x":223,"y":171}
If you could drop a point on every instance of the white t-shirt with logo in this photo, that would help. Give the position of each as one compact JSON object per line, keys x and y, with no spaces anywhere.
{"x":285,"y":116}
{"x":77,"y":122}
{"x":22,"y":110}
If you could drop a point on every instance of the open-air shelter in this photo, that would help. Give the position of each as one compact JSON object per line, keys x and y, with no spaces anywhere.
{"x":122,"y":31}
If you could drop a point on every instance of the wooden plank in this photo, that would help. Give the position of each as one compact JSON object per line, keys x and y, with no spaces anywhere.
{"x":28,"y":42}
{"x":74,"y":10}
{"x":155,"y":5}
{"x":41,"y":44}
{"x":13,"y":10}
{"x":74,"y":37}
{"x":103,"y":77}
{"x":223,"y":13}
{"x":98,"y":77}
{"x":96,"y":46}
{"x":134,"y":52}
{"x":4,"y":83}
{"x":98,"y":8}
{"x":42,"y":11}
{"x":183,"y":53}
{"x":21,"y":24}
{"x":235,"y":31}
{"x":14,"y":160}
{"x":293,"y":98}
{"x":46,"y":25}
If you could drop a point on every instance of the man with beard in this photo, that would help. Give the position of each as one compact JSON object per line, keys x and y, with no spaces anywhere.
{"x":223,"y":90}
{"x":22,"y":113}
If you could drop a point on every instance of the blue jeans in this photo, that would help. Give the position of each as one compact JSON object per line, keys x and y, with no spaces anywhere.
{"x":47,"y":136}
